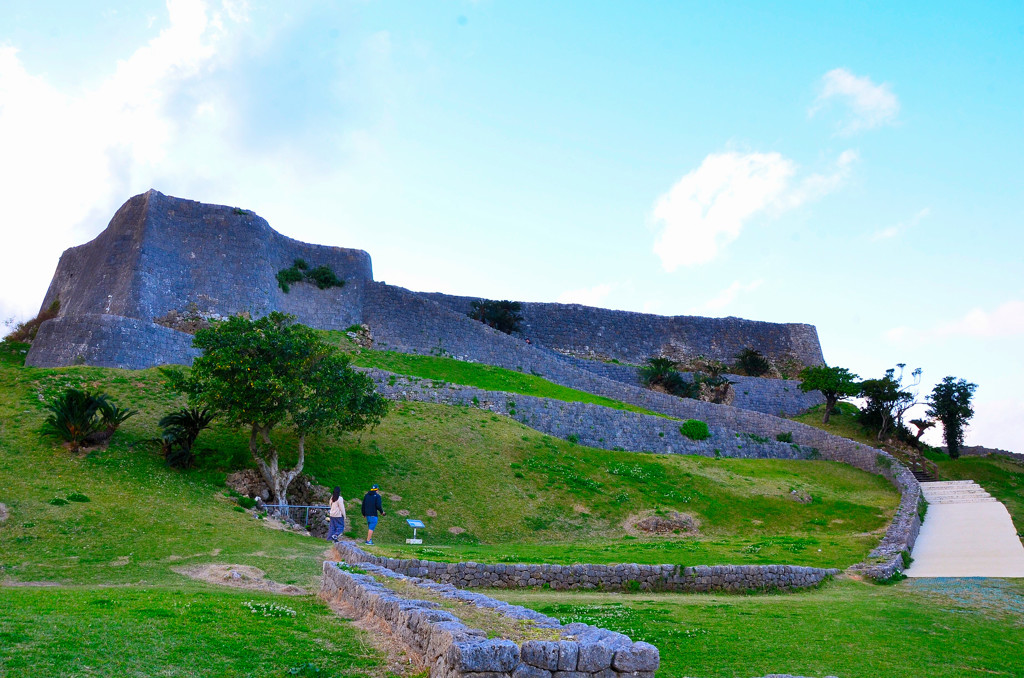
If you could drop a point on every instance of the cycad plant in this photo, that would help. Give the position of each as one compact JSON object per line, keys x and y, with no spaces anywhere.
{"x":80,"y":417}
{"x":180,"y":430}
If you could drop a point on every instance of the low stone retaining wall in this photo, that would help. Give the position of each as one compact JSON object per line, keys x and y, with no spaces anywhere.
{"x":698,"y":579}
{"x":592,"y":425}
{"x":450,"y":649}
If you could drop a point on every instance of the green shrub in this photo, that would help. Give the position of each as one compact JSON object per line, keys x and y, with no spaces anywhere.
{"x":83,"y":418}
{"x":573,"y":438}
{"x":753,"y":363}
{"x":786,"y":437}
{"x":321,"y":276}
{"x":631,"y":586}
{"x":505,"y":316}
{"x":180,"y":430}
{"x":695,"y":429}
{"x":246,"y":502}
{"x":239,"y":509}
{"x":78,"y":496}
{"x":57,"y":501}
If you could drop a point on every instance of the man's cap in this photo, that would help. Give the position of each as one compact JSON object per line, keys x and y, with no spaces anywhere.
{"x":374,"y":487}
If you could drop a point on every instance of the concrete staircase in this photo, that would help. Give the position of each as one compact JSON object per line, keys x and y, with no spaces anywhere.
{"x":966,"y":533}
{"x":955,"y":492}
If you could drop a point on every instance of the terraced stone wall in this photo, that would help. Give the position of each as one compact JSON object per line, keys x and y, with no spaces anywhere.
{"x":108,"y":341}
{"x":442,"y":643}
{"x":699,"y":579}
{"x":589,"y":424}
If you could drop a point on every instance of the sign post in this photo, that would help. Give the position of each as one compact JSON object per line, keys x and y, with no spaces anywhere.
{"x":414,"y":524}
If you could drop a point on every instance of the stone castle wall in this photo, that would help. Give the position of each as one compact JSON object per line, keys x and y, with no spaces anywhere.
{"x":161,"y":254}
{"x":633,"y":337}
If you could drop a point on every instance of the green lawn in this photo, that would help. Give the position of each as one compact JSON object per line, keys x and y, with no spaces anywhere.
{"x":934,"y":628}
{"x":481,"y":376}
{"x":176,"y":631}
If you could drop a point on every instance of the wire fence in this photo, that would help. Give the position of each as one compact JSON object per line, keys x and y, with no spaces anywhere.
{"x":298,"y":514}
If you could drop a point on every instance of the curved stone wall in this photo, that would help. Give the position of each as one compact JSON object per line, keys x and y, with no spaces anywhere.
{"x":107,"y":341}
{"x":592,"y":425}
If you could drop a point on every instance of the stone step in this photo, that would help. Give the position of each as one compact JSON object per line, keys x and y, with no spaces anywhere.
{"x":954,"y":493}
{"x":974,"y":500}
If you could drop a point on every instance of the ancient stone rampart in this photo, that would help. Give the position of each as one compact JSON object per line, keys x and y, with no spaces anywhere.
{"x":448,"y":648}
{"x":162,"y":254}
{"x":109,"y":341}
{"x":634,"y":337}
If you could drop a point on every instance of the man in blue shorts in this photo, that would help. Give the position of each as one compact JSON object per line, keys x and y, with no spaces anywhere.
{"x":372,"y":505}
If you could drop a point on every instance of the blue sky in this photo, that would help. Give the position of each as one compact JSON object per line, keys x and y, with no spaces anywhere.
{"x":853,"y":166}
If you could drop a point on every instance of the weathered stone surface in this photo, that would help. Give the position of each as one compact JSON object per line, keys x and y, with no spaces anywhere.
{"x":500,"y":656}
{"x":640,"y":656}
{"x":528,"y":671}
{"x":540,"y":653}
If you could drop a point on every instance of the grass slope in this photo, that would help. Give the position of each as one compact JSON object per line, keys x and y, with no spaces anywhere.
{"x":935,"y":628}
{"x":483,"y":377}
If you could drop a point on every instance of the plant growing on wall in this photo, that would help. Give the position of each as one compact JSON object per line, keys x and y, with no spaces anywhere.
{"x":321,"y":276}
{"x":505,"y":316}
{"x":269,"y":374}
{"x":753,"y":363}
{"x":835,"y":383}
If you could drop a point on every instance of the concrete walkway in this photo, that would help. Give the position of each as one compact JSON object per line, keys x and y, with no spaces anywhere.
{"x":966,"y":533}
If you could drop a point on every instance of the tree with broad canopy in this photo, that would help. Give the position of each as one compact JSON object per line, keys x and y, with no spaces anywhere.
{"x":271,"y":373}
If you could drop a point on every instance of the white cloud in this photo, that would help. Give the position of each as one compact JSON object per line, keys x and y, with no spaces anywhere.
{"x":69,"y":157}
{"x":707,"y":209}
{"x":870,"y":105}
{"x":996,"y":423}
{"x":893,"y":231}
{"x":728,"y":295}
{"x":1006,"y":320}
{"x":590,"y":296}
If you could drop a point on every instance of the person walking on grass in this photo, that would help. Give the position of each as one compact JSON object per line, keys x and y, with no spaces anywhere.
{"x":337,"y":515}
{"x":372,"y":505}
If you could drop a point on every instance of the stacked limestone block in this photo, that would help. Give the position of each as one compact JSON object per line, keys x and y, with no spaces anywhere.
{"x":699,"y":579}
{"x":450,"y":649}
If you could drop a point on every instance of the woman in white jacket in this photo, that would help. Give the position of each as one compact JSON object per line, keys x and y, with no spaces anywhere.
{"x":337,"y":516}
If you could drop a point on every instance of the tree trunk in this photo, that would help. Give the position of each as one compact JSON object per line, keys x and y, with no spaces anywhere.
{"x":830,"y":403}
{"x":264,"y":453}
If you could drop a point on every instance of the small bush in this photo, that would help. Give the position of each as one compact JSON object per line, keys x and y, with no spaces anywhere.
{"x":25,"y":332}
{"x":180,"y":430}
{"x":753,"y":363}
{"x":80,"y":418}
{"x":78,"y":496}
{"x":573,"y":438}
{"x":632,"y":586}
{"x":246,"y":502}
{"x":239,"y":509}
{"x":786,"y":437}
{"x":321,"y":276}
{"x":505,"y":316}
{"x":695,"y":429}
{"x":57,"y":501}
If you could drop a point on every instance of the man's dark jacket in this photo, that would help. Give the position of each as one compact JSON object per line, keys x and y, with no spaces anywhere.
{"x":372,"y":504}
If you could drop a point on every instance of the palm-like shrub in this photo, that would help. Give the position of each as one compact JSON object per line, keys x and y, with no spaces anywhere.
{"x":80,"y":417}
{"x":753,"y":363}
{"x":180,"y":430}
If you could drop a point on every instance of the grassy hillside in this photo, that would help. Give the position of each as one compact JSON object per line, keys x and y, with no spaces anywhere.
{"x":481,"y":376}
{"x":493,"y":484}
{"x":940,"y":628}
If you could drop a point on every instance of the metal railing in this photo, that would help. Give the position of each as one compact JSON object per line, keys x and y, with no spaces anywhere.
{"x":288,"y":509}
